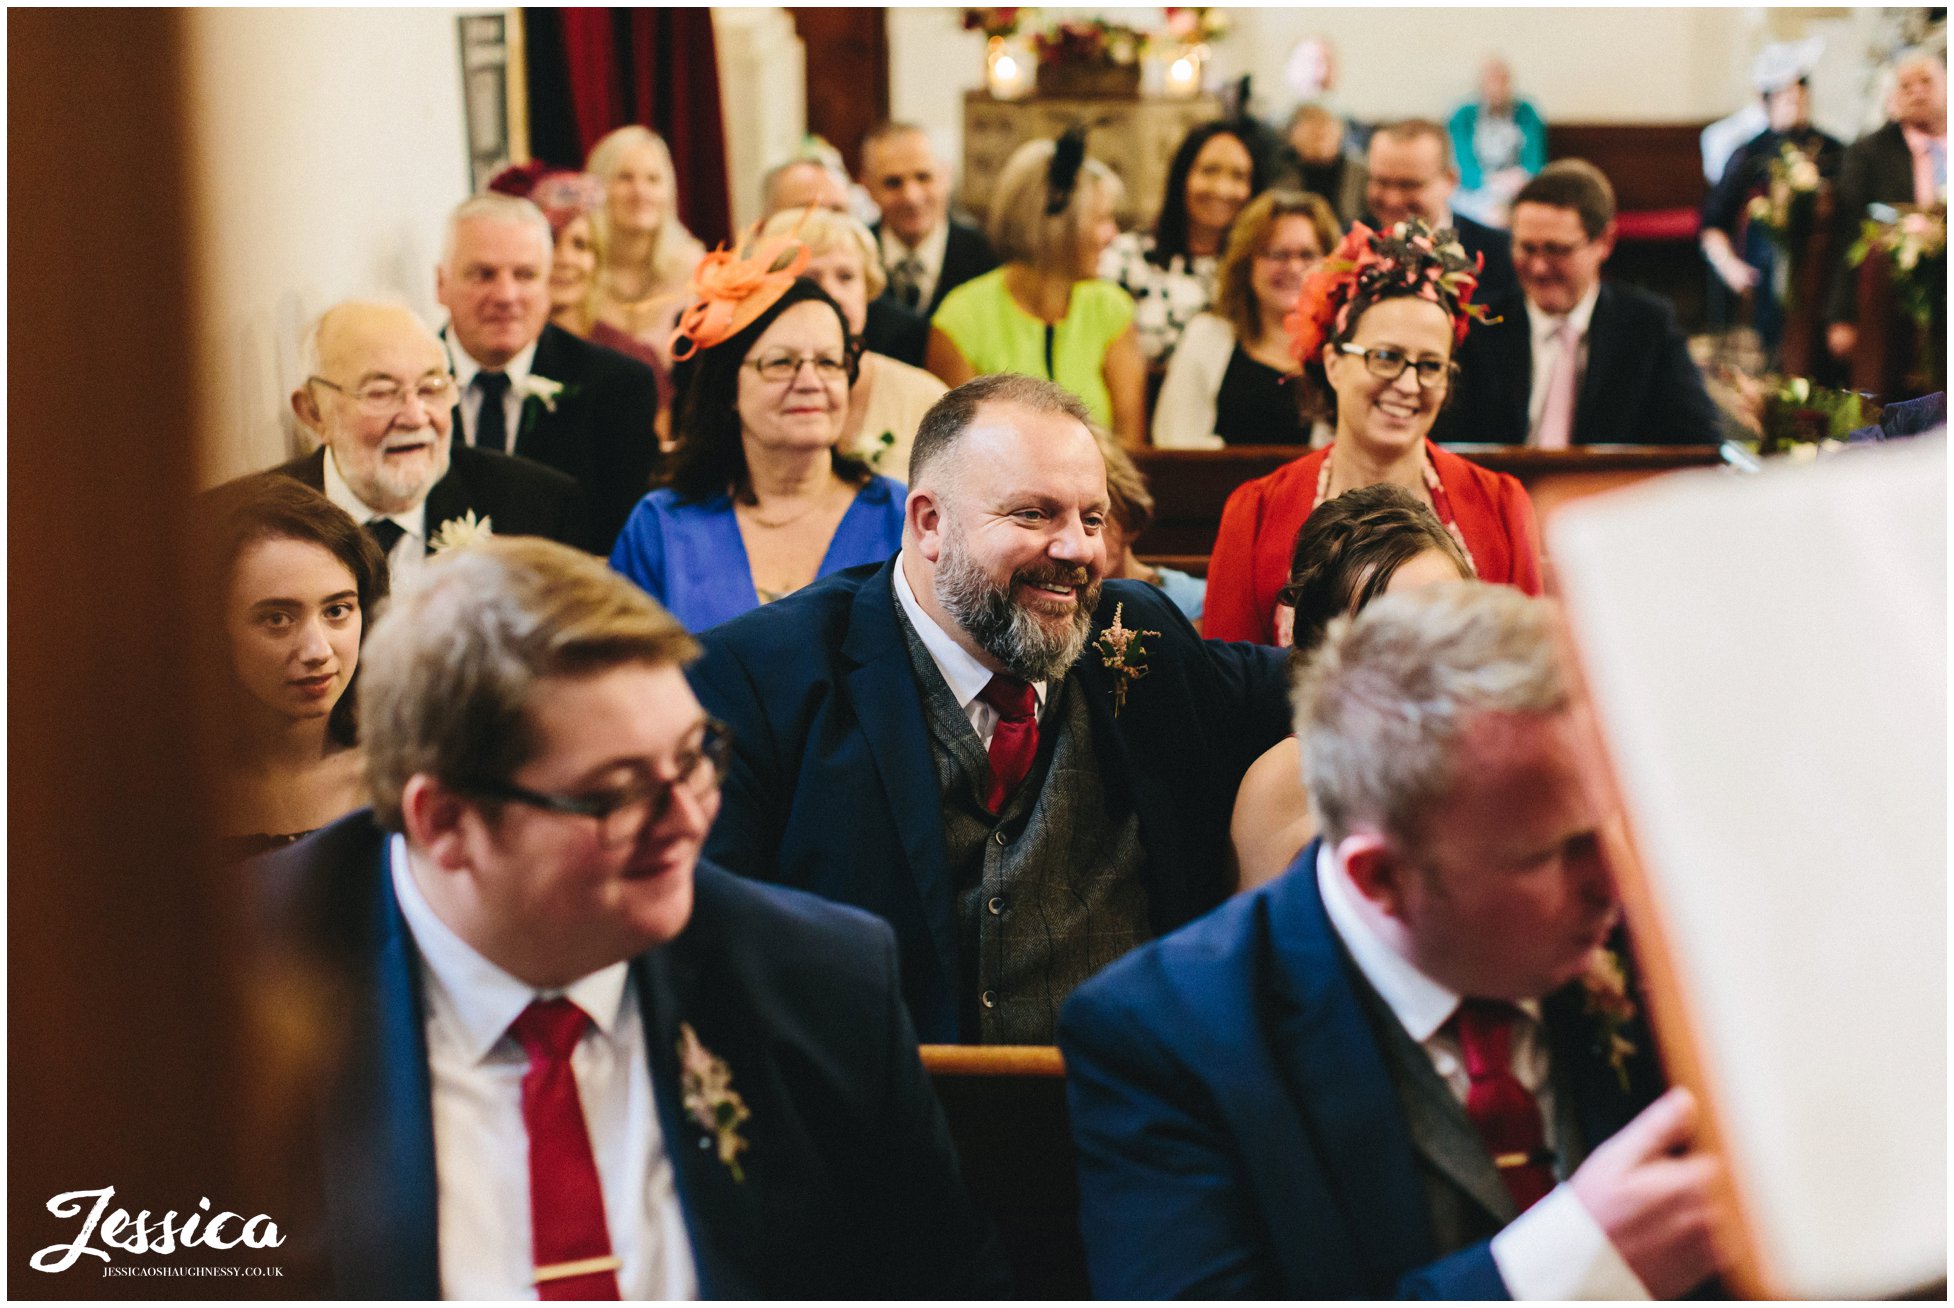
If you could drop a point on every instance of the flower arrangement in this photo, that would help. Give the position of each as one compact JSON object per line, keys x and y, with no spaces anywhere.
{"x":1605,"y":987}
{"x":1123,"y":650}
{"x":1915,"y":248}
{"x":994,"y":23}
{"x":459,"y":533}
{"x":710,"y":1100}
{"x":1409,"y":258}
{"x":1785,"y":208}
{"x":1798,"y":417}
{"x":1195,"y":25}
{"x":1089,"y":41}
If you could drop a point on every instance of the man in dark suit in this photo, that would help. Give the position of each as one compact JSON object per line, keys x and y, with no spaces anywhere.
{"x":379,"y":396}
{"x":529,"y":387}
{"x":1574,"y":360}
{"x":1412,"y":174}
{"x":567,"y":1058}
{"x":925,"y":251}
{"x":933,"y":739}
{"x":1404,"y":1068}
{"x":1902,"y":162}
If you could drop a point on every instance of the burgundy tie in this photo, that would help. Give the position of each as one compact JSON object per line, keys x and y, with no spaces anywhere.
{"x":1015,"y":742}
{"x":1506,"y":1113}
{"x":571,"y":1245}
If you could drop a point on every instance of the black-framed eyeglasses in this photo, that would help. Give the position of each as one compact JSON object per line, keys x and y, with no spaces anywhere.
{"x":1388,"y":364}
{"x":622,"y":815}
{"x":384,"y":397}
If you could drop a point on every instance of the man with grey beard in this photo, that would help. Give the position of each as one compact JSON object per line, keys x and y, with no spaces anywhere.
{"x":1025,"y":769}
{"x":378,"y":394}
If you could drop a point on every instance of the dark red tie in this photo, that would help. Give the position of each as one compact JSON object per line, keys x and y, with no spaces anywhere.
{"x":1015,"y":742}
{"x":1506,"y":1113}
{"x":571,"y":1245}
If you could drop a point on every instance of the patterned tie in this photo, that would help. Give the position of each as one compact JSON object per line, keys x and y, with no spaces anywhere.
{"x":386,"y":533}
{"x":491,"y":424}
{"x":1014,"y":744}
{"x":1504,"y":1111}
{"x":570,"y":1245}
{"x":908,"y":279}
{"x":1557,"y":414}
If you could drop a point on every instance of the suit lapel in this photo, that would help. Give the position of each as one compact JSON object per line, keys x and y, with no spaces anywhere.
{"x":452,"y":496}
{"x":1600,"y":1100}
{"x":1512,"y":373}
{"x":722,"y":1215}
{"x":882,"y":691}
{"x":1328,"y":1052}
{"x":1597,"y":380}
{"x":379,"y":1123}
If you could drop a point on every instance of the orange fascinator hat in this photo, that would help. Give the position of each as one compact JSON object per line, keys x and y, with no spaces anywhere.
{"x":730,"y":290}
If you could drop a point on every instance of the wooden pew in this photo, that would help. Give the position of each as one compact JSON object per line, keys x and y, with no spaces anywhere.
{"x":1006,"y":1109}
{"x":1190,"y":486}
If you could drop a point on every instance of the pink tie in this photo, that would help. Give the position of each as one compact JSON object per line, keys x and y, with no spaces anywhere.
{"x":570,"y":1242}
{"x":1557,"y":414}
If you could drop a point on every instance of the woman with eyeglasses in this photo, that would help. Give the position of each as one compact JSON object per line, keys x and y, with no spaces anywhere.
{"x":1377,"y":322}
{"x":759,"y":500}
{"x":1232,"y":381}
{"x":298,"y":580}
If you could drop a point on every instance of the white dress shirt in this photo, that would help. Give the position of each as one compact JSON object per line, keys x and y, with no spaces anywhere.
{"x":410,"y":551}
{"x":1555,"y":1249}
{"x":1545,"y":330}
{"x":471,"y":399}
{"x":960,"y":668}
{"x":481,"y":1147}
{"x":928,"y":257}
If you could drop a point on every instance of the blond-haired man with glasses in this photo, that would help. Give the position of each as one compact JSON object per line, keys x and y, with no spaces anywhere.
{"x":572,"y":1060}
{"x":378,"y":394}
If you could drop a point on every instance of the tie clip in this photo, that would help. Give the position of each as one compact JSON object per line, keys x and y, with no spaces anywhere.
{"x":581,"y":1267}
{"x":1504,"y":1161}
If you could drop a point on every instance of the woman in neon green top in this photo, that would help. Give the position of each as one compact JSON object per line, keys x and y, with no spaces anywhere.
{"x":1044,"y":313}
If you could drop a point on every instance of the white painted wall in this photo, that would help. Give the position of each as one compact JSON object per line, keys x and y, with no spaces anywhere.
{"x":762,"y":97}
{"x":330,"y":147}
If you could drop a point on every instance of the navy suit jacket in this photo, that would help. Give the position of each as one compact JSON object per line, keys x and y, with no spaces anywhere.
{"x":832,"y":787}
{"x":1640,"y":388}
{"x":601,"y":431}
{"x":1239,"y":1132}
{"x":851,"y":1187}
{"x":520,"y":498}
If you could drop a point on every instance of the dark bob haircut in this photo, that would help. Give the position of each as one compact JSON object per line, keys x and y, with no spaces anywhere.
{"x":1170,"y":228}
{"x":711,"y":459}
{"x":272,"y":506}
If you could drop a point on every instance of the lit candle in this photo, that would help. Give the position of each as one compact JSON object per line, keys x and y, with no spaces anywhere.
{"x":1183,"y":76}
{"x":1007,"y":71}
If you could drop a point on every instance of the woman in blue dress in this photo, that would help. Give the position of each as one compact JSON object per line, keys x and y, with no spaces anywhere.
{"x":758,"y":501}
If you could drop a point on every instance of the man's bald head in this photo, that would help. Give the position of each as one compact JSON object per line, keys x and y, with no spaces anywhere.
{"x":803,"y":182}
{"x":379,"y":395}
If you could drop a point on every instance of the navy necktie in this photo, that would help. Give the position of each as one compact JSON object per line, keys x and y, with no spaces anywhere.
{"x":386,"y":533}
{"x":491,"y":426}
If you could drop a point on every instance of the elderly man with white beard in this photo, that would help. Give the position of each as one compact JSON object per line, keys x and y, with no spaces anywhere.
{"x":1025,"y":769}
{"x":378,"y":394}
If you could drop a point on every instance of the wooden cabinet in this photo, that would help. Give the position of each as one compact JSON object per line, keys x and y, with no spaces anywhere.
{"x":1136,"y":138}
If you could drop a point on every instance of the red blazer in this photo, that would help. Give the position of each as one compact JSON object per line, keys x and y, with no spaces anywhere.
{"x":1251,"y":555}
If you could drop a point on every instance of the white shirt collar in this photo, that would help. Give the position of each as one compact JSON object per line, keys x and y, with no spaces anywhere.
{"x":466,"y":368}
{"x":1545,"y":325}
{"x":413,"y":521}
{"x":482,"y":998}
{"x":929,"y":253}
{"x":966,"y":675}
{"x":1420,"y":1004}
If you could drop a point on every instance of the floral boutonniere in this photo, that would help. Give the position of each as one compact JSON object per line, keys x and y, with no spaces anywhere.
{"x":1605,"y":986}
{"x":456,"y":533}
{"x":542,"y":389}
{"x":1123,"y":650}
{"x":710,"y":1098}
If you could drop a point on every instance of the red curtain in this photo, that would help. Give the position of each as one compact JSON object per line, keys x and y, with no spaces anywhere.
{"x":652,"y":66}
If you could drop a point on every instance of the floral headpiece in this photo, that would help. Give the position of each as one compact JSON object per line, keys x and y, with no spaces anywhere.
{"x":730,"y":290}
{"x":561,"y":193}
{"x":1409,"y":259}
